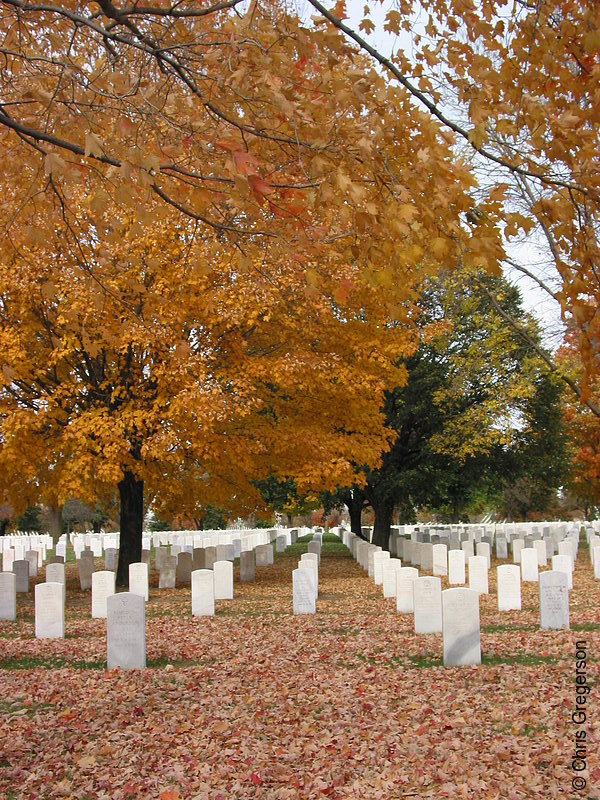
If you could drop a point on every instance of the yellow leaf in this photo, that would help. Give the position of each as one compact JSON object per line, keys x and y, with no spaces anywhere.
{"x":54,"y":164}
{"x":93,"y":145}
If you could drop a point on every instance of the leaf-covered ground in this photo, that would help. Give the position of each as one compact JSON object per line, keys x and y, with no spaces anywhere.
{"x":257,"y":703}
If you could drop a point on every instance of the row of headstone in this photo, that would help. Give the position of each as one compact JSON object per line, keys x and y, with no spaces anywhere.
{"x":305,"y":578}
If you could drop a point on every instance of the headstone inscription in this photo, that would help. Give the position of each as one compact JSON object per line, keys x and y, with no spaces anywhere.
{"x":303,"y":590}
{"x":509,"y":587}
{"x":456,"y":567}
{"x":203,"y":593}
{"x":8,"y":596}
{"x":223,"y":576}
{"x":21,"y":569}
{"x":440,"y":559}
{"x":85,"y":568}
{"x":461,"y":628}
{"x":478,"y":574}
{"x":529,"y":565}
{"x":554,"y":600}
{"x":168,"y":572}
{"x":126,"y":631}
{"x":103,"y":586}
{"x":427,"y":597}
{"x":404,"y":589}
{"x":49,"y":611}
{"x":247,"y":567}
{"x":138,"y":579}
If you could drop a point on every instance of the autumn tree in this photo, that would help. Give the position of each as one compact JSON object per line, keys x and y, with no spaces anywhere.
{"x":207,"y":215}
{"x":584,"y":434}
{"x":515,"y":88}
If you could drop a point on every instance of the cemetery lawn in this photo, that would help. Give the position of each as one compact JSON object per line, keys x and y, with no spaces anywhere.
{"x":257,"y":703}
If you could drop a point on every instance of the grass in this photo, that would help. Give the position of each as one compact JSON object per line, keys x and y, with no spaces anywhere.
{"x":48,"y":662}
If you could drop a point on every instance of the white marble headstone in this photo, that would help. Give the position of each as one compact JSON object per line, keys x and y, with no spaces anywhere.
{"x":223,"y":576}
{"x":564,"y":563}
{"x":456,"y":567}
{"x":55,"y":573}
{"x":303,"y":589}
{"x":404,"y":589}
{"x":379,"y":558}
{"x":390,"y":568}
{"x":103,"y":586}
{"x":478,"y":574}
{"x":509,"y":587}
{"x":427,"y":598}
{"x":529,"y":565}
{"x":49,"y":611}
{"x":138,"y":579}
{"x":554,"y":600}
{"x":203,"y":593}
{"x":8,"y":596}
{"x":461,"y":629}
{"x":440,"y":559}
{"x":126,"y":631}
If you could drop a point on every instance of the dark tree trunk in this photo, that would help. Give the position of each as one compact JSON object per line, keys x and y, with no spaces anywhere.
{"x":96,"y":527}
{"x":290,"y":520}
{"x":131,"y":493}
{"x":384,"y":512}
{"x":55,"y":522}
{"x":355,"y":502}
{"x":3,"y":526}
{"x":455,"y":511}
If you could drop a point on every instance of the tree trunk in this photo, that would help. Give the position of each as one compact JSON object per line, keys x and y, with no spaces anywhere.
{"x":355,"y":502}
{"x":290,"y":520}
{"x":131,"y":493}
{"x":55,"y":522}
{"x":455,"y":511}
{"x":3,"y":526}
{"x":384,"y":512}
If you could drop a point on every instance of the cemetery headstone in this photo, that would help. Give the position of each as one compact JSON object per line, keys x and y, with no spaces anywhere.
{"x":529,"y":565}
{"x":501,"y":547}
{"x":110,"y":558}
{"x":8,"y":596}
{"x":223,"y":575}
{"x":440,"y":559}
{"x":138,"y":579}
{"x":460,"y":627}
{"x":483,"y":549}
{"x":379,"y":558}
{"x":390,"y":569}
{"x":509,"y":587}
{"x":21,"y":569}
{"x":542,"y":555}
{"x":554,"y":600}
{"x":404,"y":589}
{"x":427,"y":598}
{"x":49,"y":611}
{"x":184,"y":569}
{"x":203,"y":593}
{"x":126,"y":631}
{"x":85,"y":568}
{"x":478,"y":574}
{"x":303,"y":590}
{"x":517,"y":546}
{"x":168,"y":572}
{"x":247,"y":570}
{"x":456,"y":567}
{"x":198,"y":559}
{"x":564,"y":563}
{"x":33,"y":558}
{"x":55,"y":573}
{"x":103,"y":586}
